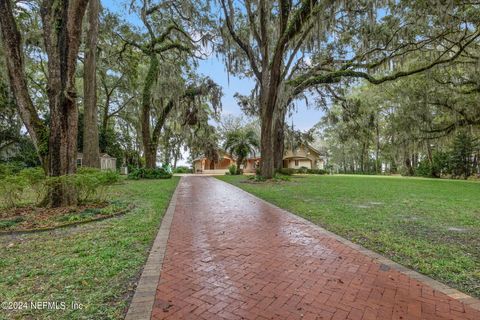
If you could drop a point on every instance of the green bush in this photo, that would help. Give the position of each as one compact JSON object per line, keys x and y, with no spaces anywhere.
{"x":11,"y":168}
{"x":303,"y":170}
{"x":90,"y":184}
{"x":11,"y":189}
{"x":146,"y":173}
{"x":232,"y":170}
{"x":317,"y":171}
{"x":256,"y":178}
{"x":424,"y":169}
{"x":287,"y":171}
{"x":282,"y":177}
{"x":36,"y":181}
{"x":182,"y":169}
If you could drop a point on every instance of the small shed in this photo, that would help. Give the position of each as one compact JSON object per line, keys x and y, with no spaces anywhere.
{"x":107,"y":162}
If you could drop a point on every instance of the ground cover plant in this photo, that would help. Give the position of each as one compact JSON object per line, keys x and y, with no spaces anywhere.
{"x":93,"y":264}
{"x":432,"y":226}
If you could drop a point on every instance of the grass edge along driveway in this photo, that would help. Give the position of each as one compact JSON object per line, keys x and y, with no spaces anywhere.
{"x":429,"y":225}
{"x":94,"y":265}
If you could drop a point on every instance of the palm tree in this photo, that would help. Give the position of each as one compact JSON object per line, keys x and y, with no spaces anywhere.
{"x":240,"y":143}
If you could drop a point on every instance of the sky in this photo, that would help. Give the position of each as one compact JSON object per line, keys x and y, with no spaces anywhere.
{"x":303,"y":119}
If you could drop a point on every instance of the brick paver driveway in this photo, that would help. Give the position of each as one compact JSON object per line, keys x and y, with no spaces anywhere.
{"x":231,"y":256}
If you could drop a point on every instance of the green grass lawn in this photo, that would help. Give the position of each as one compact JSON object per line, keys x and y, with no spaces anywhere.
{"x":432,"y":226}
{"x":94,"y":264}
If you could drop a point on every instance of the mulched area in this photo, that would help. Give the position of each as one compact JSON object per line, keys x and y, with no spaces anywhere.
{"x":32,"y":218}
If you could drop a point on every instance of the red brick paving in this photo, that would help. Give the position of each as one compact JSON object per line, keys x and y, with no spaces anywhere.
{"x":231,"y":256}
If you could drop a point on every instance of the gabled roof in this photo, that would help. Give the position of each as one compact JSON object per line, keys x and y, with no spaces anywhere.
{"x":313,"y":149}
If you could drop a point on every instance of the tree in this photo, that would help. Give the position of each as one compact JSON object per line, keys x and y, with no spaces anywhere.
{"x":57,"y":143}
{"x":119,"y":68}
{"x":91,"y":151}
{"x":290,"y":48}
{"x":163,"y":37}
{"x":411,"y":124}
{"x":461,"y":158}
{"x":241,"y":143}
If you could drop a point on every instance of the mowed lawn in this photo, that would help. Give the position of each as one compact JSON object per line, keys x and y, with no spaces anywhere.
{"x":94,"y":264}
{"x":432,"y":226}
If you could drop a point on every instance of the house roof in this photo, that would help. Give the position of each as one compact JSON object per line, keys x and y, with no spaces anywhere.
{"x":313,"y":149}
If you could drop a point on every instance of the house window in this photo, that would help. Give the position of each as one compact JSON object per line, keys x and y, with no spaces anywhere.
{"x":296,"y":163}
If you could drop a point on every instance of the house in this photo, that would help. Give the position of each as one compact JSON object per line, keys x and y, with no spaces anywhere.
{"x":303,"y":156}
{"x":205,"y":165}
{"x":107,"y":162}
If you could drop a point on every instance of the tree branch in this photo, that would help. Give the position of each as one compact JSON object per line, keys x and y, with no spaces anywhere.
{"x":245,"y":47}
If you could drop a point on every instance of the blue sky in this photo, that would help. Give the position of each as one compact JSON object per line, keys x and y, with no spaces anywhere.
{"x":214,"y":68}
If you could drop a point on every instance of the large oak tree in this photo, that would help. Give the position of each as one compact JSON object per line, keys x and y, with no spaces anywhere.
{"x":291,"y":47}
{"x":56,"y":142}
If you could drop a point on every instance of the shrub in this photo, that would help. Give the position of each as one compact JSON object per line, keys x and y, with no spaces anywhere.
{"x":257,"y":178}
{"x":303,"y":170}
{"x":182,"y":169}
{"x":87,"y":186}
{"x":424,"y":169}
{"x":11,"y":189}
{"x":146,"y":173}
{"x":90,"y":184}
{"x":282,"y":177}
{"x":317,"y":171}
{"x":287,"y":171}
{"x":232,"y":169}
{"x":11,"y":168}
{"x":36,"y":181}
{"x":108,"y":177}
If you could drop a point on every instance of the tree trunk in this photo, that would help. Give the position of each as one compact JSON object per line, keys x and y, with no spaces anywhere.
{"x":408,"y":165}
{"x":150,"y":156}
{"x":266,"y":147}
{"x":269,"y":110}
{"x":433,"y":173}
{"x":11,"y":39}
{"x":279,"y":138}
{"x":62,"y":22}
{"x":362,"y":159}
{"x":378,"y":166}
{"x":62,"y":30}
{"x":149,"y":146}
{"x":91,"y":150}
{"x":175,"y":159}
{"x":239,"y":163}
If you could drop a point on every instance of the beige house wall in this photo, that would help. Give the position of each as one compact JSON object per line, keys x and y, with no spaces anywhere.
{"x":204,"y":164}
{"x":305,"y":156}
{"x":250,"y":166}
{"x":290,"y":163}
